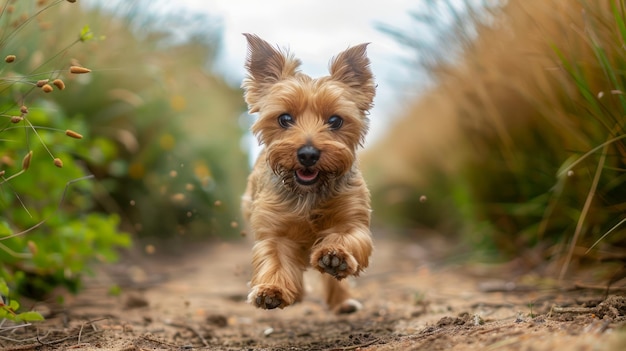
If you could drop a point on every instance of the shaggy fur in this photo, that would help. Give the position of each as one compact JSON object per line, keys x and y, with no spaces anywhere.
{"x":306,"y":202}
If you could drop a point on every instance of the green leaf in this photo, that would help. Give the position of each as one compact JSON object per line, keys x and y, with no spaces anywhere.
{"x":4,"y":288}
{"x":30,"y":316}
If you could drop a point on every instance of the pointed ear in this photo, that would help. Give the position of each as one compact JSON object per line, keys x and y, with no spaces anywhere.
{"x":266,"y":66}
{"x":352,"y":67}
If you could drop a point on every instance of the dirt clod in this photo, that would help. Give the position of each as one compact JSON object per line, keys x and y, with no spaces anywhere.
{"x":612,"y":307}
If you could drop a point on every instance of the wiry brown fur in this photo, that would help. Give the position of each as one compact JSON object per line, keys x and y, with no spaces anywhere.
{"x":326,"y":224}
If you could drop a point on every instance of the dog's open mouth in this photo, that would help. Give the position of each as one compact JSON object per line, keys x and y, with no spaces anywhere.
{"x":306,"y":176}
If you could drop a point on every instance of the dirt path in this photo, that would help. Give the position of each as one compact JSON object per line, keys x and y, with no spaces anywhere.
{"x":195,"y":301}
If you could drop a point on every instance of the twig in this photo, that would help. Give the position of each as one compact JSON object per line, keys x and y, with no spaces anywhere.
{"x":502,"y":343}
{"x":491,"y":330}
{"x":354,"y":347}
{"x":573,"y":309}
{"x":149,"y":338}
{"x":22,"y":340}
{"x":579,"y":286}
{"x":3,"y":329}
{"x":492,"y":305}
{"x":80,"y":333}
{"x":41,"y":342}
{"x":79,"y":345}
{"x":192,"y":329}
{"x":21,"y":347}
{"x":91,"y":323}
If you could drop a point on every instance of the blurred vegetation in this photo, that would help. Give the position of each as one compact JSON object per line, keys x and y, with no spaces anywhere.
{"x":153,"y":149}
{"x":518,"y":144}
{"x":48,"y":237}
{"x":166,"y":128}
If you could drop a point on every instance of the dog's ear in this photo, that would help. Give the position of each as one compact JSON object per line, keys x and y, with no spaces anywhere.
{"x":352,"y":67}
{"x":266,"y":66}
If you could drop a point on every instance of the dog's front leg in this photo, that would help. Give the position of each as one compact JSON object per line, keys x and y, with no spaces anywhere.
{"x":277,"y":279}
{"x":342,"y":253}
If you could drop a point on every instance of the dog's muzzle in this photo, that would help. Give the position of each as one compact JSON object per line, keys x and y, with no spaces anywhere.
{"x":308,"y":156}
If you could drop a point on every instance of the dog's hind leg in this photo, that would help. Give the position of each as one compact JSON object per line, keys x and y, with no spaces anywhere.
{"x":338,"y":297}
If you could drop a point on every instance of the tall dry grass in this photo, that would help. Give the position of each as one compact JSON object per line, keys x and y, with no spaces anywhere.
{"x":493,"y":143}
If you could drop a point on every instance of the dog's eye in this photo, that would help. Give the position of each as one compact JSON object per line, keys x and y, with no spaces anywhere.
{"x":285,"y":120}
{"x":335,"y":122}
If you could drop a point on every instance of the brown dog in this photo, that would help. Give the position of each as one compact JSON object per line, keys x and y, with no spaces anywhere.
{"x":306,"y":202}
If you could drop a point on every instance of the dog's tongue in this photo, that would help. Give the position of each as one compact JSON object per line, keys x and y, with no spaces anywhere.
{"x":307,"y":175}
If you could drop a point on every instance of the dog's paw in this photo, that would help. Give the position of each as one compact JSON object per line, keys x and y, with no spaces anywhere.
{"x":266,"y":297}
{"x":335,"y":262}
{"x":348,"y":306}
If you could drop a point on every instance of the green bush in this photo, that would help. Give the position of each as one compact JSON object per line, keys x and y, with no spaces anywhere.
{"x":48,"y":236}
{"x":164,"y":129}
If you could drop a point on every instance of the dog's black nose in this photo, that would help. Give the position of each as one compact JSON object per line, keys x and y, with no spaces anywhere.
{"x":308,"y":155}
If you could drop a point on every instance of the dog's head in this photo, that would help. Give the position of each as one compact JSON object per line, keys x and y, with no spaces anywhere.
{"x":311,"y":128}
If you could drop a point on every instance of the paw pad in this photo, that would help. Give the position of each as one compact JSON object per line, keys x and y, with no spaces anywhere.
{"x":266,"y":297}
{"x":267,"y":302}
{"x":333,"y":264}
